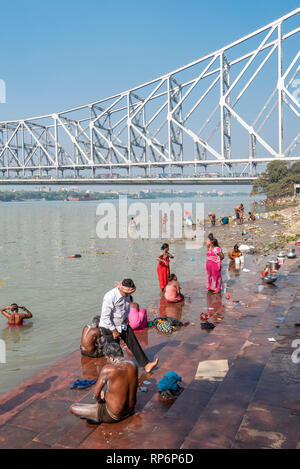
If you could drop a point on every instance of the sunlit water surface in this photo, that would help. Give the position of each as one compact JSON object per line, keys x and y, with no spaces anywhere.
{"x":65,"y":294}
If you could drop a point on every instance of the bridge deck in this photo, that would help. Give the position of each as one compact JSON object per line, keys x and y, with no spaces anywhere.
{"x":129,"y":181}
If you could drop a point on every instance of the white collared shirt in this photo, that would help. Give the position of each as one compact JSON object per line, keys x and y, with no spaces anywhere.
{"x":115,"y":309}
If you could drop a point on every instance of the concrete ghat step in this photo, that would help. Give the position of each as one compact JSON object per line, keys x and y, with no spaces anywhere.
{"x":205,"y":415}
{"x":171,"y":427}
{"x":181,"y":353}
{"x":160,"y":425}
{"x":167,"y":427}
{"x":229,"y":404}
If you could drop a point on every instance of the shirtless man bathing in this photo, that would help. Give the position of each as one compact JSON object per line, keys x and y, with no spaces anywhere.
{"x":115,"y":390}
{"x":90,"y":340}
{"x":239,"y":213}
{"x":14,"y":317}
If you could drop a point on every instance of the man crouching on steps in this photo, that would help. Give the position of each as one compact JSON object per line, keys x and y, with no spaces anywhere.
{"x":115,"y":390}
{"x":114,"y":323}
{"x":90,"y":340}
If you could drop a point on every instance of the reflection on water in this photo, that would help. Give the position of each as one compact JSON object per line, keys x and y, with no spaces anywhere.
{"x":16,"y":334}
{"x":173,"y":310}
{"x":65,"y":294}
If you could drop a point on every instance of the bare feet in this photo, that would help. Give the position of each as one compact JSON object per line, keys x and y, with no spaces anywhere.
{"x":149,"y":367}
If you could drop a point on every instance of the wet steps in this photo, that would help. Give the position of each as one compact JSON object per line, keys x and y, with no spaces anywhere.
{"x":207,"y":414}
{"x":228,"y":407}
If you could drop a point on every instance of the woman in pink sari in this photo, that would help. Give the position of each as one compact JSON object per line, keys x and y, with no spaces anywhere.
{"x":214,"y":259}
{"x":137,"y":317}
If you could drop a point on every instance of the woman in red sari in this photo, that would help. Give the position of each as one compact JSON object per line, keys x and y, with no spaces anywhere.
{"x":163,"y":268}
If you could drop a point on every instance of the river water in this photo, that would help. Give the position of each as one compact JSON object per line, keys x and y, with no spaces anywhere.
{"x":65,"y":294}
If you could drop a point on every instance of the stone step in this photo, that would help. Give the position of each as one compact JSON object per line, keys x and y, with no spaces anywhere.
{"x":229,"y":404}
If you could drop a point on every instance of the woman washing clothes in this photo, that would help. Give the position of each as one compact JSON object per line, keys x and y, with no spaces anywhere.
{"x":251,"y":216}
{"x":163,"y":268}
{"x":172,"y":291}
{"x":214,"y":259}
{"x":137,"y":318}
{"x":212,"y":217}
{"x":234,"y":253}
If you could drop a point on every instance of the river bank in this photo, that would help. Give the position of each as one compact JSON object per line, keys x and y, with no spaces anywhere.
{"x":254,"y":403}
{"x":36,"y":239}
{"x":270,"y":232}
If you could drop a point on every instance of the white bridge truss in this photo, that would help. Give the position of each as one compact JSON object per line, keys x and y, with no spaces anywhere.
{"x":220,"y":118}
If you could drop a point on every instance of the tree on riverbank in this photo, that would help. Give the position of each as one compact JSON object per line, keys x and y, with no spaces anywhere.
{"x":278,"y":180}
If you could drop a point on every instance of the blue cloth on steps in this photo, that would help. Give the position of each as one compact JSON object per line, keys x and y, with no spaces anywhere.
{"x":82,"y":383}
{"x":169,"y":381}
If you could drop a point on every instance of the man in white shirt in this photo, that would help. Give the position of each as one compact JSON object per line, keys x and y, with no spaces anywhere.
{"x":114,"y":322}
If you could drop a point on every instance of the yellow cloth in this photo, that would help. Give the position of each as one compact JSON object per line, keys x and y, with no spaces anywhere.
{"x":234,"y":254}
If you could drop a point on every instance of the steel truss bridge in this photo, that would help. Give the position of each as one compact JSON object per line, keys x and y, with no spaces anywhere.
{"x":219,"y":119}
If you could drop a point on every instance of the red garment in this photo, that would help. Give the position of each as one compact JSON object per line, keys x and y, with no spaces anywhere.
{"x":163,"y":272}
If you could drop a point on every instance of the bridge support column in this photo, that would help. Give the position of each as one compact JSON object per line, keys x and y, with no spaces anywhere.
{"x":225,"y":118}
{"x":252,"y":169}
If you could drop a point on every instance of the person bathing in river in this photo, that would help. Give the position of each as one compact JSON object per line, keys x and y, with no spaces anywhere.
{"x":239,"y":213}
{"x":163,"y":268}
{"x":172,"y":291}
{"x":132,"y":224}
{"x":14,"y":317}
{"x":251,"y":216}
{"x":137,"y":318}
{"x":212,"y":217}
{"x":214,"y":259}
{"x":234,"y":253}
{"x":115,"y":390}
{"x":90,"y":340}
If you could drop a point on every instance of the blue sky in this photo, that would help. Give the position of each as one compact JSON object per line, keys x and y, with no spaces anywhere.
{"x":62,"y":53}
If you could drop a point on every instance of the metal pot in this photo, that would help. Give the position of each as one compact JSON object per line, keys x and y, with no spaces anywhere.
{"x":291,"y":254}
{"x":270,"y":278}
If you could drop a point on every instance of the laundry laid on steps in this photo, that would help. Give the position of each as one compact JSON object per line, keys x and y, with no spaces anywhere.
{"x":168,"y":386}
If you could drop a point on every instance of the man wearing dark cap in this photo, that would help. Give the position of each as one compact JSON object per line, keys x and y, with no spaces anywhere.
{"x":114,"y":324}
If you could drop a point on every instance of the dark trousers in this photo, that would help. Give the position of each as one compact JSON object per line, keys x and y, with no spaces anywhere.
{"x":131,"y":341}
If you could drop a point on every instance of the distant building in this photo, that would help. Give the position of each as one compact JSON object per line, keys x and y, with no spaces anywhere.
{"x":297,"y":189}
